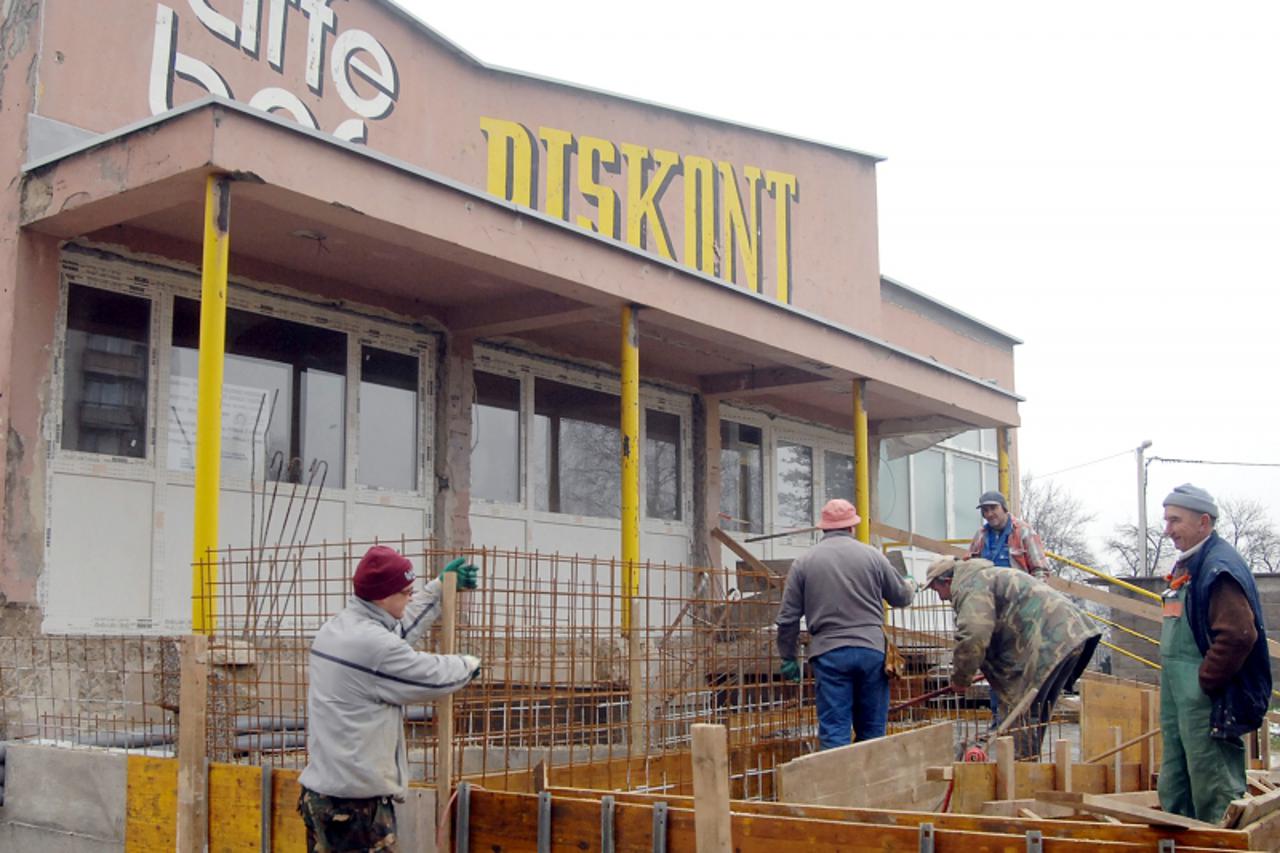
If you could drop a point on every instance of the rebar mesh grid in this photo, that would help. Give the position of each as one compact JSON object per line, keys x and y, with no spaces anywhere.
{"x":560,"y":683}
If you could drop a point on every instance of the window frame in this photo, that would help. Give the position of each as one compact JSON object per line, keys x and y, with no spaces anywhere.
{"x":528,"y":368}
{"x":160,"y":286}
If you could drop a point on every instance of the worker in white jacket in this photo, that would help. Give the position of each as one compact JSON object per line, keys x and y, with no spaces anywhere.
{"x":363,"y":671}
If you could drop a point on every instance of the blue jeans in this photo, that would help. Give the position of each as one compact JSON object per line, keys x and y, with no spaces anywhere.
{"x":853,"y":691}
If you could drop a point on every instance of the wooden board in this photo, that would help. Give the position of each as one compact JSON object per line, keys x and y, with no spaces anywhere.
{"x":235,"y":808}
{"x":1188,"y":838}
{"x":1125,"y":811}
{"x":151,"y":804}
{"x":1105,"y":704}
{"x":711,"y":789}
{"x":288,"y":832}
{"x":508,"y":822}
{"x":975,"y":784}
{"x":888,"y":771}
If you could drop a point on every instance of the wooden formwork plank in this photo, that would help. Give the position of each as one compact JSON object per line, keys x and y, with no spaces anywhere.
{"x":1214,"y":838}
{"x":288,"y":832}
{"x":1256,"y":808}
{"x":1105,"y":704}
{"x":975,"y":784}
{"x":193,"y":769}
{"x":1030,"y":777}
{"x":1126,"y":811}
{"x":1006,"y":775}
{"x":1062,"y":765}
{"x":151,"y":804}
{"x":671,"y":772}
{"x":235,"y":808}
{"x":888,"y":771}
{"x":711,"y":788}
{"x":1265,"y":833}
{"x":1130,"y":777}
{"x":509,"y":822}
{"x":1090,"y":778}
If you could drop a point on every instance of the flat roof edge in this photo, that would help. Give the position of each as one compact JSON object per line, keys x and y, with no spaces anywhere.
{"x":919,"y":294}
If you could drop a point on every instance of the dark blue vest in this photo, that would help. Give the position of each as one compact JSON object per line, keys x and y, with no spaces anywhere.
{"x":1241,"y":707}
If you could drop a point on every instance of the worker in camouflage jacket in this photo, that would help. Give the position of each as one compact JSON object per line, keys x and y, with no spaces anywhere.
{"x":1024,"y":636}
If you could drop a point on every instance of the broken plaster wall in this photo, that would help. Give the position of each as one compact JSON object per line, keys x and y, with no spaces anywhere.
{"x":28,"y":300}
{"x":706,"y":480}
{"x":455,"y":396}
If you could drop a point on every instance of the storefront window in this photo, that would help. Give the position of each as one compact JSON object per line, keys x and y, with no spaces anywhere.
{"x":388,"y":424}
{"x":283,"y":397}
{"x":576,"y":446}
{"x":795,"y":487}
{"x":495,"y":438}
{"x":662,"y":465}
{"x":990,"y":477}
{"x":930,"y":494}
{"x":104,"y":395}
{"x":839,"y":476}
{"x":966,"y":488}
{"x":741,"y":478}
{"x":894,"y":492}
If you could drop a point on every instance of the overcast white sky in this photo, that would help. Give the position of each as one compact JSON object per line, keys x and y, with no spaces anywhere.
{"x":1101,"y":179}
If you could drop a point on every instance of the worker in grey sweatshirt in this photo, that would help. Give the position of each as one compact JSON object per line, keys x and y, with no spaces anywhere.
{"x":363,"y":671}
{"x":838,"y":586}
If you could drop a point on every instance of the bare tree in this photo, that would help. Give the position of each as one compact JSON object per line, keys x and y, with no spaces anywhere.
{"x":1245,"y":523}
{"x":1123,"y":543}
{"x":1060,"y":519}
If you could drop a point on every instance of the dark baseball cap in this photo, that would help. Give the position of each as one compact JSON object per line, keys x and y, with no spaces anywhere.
{"x":989,"y":498}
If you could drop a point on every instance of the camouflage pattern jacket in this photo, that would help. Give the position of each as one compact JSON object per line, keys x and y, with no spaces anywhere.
{"x":1012,"y":627}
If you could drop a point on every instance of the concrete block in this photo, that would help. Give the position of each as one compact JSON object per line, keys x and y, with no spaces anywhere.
{"x":77,"y":791}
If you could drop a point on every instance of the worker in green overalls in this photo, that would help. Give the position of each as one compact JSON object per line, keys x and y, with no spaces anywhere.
{"x":1215,"y":682}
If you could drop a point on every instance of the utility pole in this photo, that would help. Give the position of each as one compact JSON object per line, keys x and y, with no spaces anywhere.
{"x":1142,"y":506}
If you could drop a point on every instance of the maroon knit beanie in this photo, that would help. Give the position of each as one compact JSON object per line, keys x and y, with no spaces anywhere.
{"x":382,"y":572}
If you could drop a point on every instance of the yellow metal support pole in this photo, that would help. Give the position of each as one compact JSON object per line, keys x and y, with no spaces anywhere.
{"x":213,"y":334}
{"x":1002,"y":454}
{"x":630,"y":464}
{"x":861,"y":461}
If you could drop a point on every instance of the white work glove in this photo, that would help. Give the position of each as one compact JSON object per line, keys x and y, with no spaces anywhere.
{"x":912,"y":584}
{"x":473,"y":664}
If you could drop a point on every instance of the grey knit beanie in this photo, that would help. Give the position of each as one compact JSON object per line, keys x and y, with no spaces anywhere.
{"x":1193,"y":498}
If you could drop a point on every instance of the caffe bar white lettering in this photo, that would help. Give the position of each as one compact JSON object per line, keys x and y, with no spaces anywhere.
{"x":360,"y":69}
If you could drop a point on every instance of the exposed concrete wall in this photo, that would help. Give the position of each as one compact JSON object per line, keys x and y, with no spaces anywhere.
{"x":63,"y":800}
{"x":455,"y":395}
{"x":706,"y":480}
{"x":19,"y":46}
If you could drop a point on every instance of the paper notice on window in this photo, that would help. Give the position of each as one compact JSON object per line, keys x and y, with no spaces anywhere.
{"x":242,"y":407}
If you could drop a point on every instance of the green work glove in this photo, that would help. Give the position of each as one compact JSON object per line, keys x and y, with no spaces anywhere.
{"x":790,"y":669}
{"x":466,"y":573}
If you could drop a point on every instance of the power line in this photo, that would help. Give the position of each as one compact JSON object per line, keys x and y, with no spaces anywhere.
{"x":1081,"y":465}
{"x":1212,"y":462}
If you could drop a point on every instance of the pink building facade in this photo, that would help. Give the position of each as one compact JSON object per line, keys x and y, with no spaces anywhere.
{"x":429,"y":260}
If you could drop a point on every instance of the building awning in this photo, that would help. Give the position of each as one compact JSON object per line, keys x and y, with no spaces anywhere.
{"x":347,"y":224}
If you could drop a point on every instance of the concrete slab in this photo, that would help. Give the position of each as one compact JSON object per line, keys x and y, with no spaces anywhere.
{"x":21,"y":837}
{"x":81,"y":792}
